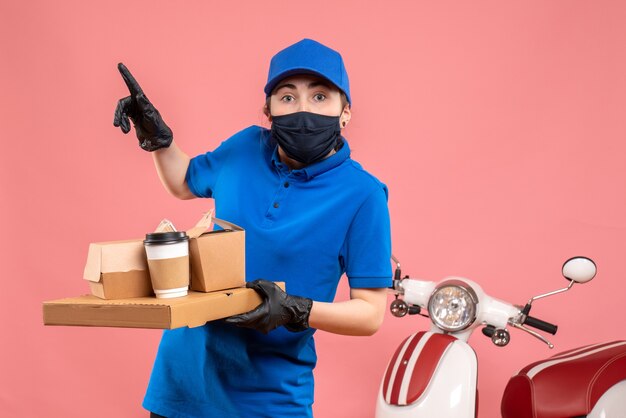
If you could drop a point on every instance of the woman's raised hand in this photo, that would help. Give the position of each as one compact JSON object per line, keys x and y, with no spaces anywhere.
{"x":152,"y":132}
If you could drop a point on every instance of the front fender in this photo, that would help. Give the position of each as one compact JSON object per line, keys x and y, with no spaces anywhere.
{"x":430,"y":374}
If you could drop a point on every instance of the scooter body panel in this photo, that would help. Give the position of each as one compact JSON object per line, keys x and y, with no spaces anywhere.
{"x":612,"y":403}
{"x":431,"y":375}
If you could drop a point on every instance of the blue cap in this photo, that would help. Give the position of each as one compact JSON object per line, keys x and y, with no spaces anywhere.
{"x":308,"y":57}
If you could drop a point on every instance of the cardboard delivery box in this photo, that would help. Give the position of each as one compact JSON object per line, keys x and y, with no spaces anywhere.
{"x":195,"y":309}
{"x":118,"y":269}
{"x":217,"y":257}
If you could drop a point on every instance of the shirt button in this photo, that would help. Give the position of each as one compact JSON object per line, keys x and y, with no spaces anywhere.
{"x":286,"y":184}
{"x":276,"y":204}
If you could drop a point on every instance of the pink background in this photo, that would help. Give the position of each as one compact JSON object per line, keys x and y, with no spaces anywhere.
{"x":498,"y":127}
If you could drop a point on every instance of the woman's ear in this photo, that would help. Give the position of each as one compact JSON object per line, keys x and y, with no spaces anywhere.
{"x":345,"y":116}
{"x":267,"y":113}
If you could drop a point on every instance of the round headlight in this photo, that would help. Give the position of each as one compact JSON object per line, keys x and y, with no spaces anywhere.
{"x":452,"y":306}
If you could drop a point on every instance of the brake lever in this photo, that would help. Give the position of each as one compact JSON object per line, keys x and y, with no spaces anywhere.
{"x":533,"y":333}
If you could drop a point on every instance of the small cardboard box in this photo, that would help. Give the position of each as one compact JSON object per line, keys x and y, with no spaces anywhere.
{"x":118,"y":269}
{"x":218,"y":258}
{"x":195,"y":309}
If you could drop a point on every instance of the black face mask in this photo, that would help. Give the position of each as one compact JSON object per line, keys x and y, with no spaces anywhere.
{"x":306,"y":137}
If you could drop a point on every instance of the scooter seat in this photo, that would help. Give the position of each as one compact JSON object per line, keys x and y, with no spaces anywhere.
{"x":565,"y":385}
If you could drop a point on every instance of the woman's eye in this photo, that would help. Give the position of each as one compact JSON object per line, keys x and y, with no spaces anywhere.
{"x":319,"y":97}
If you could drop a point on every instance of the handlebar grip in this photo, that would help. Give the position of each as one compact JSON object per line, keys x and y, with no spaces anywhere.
{"x":542,"y":325}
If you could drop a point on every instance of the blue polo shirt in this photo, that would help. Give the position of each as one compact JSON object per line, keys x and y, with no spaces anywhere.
{"x":304,"y":227}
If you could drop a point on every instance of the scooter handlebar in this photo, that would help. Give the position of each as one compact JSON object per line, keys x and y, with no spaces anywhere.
{"x":541,"y":325}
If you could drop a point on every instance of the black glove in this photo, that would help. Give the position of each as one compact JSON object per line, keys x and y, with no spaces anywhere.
{"x":278,"y":308}
{"x":152,"y":132}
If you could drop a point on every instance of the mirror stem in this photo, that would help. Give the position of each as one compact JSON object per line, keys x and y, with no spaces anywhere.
{"x":565,"y":289}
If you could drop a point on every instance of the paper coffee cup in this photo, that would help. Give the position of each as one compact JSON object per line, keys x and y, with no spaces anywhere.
{"x":168,"y":262}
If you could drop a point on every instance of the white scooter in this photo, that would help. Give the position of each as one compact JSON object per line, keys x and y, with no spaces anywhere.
{"x":433,"y":374}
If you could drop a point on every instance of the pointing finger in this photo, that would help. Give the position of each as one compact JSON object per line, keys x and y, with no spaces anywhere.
{"x":130,"y":81}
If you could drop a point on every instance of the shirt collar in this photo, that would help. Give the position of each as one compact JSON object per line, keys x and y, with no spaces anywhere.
{"x":319,"y":167}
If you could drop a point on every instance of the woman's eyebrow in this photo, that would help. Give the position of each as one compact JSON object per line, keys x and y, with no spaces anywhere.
{"x":314,"y":84}
{"x":289,"y":86}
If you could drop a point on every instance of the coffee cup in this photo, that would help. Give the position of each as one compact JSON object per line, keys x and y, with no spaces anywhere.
{"x":168,"y":262}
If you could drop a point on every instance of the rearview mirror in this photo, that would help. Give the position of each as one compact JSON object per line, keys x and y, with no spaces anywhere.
{"x":579,"y":269}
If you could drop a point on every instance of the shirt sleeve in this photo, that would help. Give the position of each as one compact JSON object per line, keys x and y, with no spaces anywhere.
{"x":204,"y":170}
{"x":367,"y":248}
